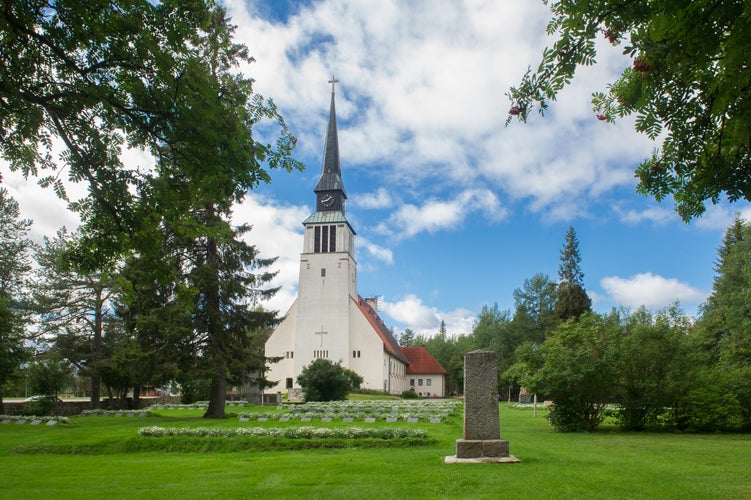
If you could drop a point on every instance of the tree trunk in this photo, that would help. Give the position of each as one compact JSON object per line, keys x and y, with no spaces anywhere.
{"x":96,"y":347}
{"x":215,"y":330}
{"x":218,"y":395}
{"x":95,"y":390}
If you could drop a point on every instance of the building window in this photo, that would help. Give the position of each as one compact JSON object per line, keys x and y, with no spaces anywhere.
{"x":419,"y":382}
{"x":320,"y":354}
{"x":323,"y":272}
{"x":355,"y":354}
{"x":412,"y":382}
{"x":324,"y":239}
{"x":429,"y":382}
{"x":289,"y":383}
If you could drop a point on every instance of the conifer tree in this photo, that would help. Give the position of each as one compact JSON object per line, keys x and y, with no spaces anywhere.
{"x":571,"y":298}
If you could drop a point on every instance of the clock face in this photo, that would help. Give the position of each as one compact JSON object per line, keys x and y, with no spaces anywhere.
{"x":327,"y":200}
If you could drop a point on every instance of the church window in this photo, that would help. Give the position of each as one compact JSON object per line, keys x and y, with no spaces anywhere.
{"x":355,"y":354}
{"x":323,"y":272}
{"x":324,"y":239}
{"x":288,"y":383}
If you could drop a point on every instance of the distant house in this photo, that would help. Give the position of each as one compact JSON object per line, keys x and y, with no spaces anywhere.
{"x":425,"y":375}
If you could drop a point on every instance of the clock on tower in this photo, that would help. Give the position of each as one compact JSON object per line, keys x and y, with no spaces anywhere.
{"x":329,"y":201}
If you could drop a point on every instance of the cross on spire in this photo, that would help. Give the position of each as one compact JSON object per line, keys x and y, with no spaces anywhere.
{"x":333,"y":82}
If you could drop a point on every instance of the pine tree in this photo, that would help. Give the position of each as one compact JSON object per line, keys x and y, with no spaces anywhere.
{"x":571,"y":298}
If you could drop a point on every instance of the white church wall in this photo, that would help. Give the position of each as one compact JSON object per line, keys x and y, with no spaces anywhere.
{"x":370,"y":348}
{"x":281,"y":343}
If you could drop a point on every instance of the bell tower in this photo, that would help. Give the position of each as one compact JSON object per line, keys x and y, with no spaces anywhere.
{"x":328,"y":271}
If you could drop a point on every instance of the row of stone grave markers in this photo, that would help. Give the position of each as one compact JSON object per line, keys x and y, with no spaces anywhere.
{"x":30,"y":421}
{"x":114,"y":413}
{"x":287,"y":418}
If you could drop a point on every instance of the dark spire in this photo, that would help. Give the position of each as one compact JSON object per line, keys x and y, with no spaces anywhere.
{"x":331,"y":173}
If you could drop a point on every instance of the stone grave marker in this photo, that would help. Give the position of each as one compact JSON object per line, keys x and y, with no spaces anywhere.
{"x":35,"y":422}
{"x":20,"y":421}
{"x":325,"y":419}
{"x":52,"y":422}
{"x":369,"y":420}
{"x":143,"y":414}
{"x":482,"y":441}
{"x":305,"y":419}
{"x":244,"y":419}
{"x":391,"y":419}
{"x":413,"y":419}
{"x":263,"y":419}
{"x":284,"y":419}
{"x":348,"y":419}
{"x":435,"y":420}
{"x":7,"y":421}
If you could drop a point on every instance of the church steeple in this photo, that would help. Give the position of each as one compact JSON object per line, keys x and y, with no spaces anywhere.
{"x":330,"y":194}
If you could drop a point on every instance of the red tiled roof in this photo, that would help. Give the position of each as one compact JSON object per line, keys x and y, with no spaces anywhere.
{"x":389,"y":342}
{"x":421,"y":362}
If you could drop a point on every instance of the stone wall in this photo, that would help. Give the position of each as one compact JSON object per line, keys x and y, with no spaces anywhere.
{"x":68,"y":408}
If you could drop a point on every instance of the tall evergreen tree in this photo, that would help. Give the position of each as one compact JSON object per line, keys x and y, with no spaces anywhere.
{"x":571,"y":298}
{"x":73,"y":306}
{"x":725,"y":325}
{"x":534,"y":312}
{"x":15,"y":265}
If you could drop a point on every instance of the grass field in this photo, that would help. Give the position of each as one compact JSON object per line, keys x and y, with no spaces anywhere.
{"x":93,"y":457}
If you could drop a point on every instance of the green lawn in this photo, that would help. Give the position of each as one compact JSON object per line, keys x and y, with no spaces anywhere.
{"x":606,"y":464}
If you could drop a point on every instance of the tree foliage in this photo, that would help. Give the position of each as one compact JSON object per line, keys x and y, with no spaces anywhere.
{"x":98,"y":77}
{"x":15,"y":265}
{"x":578,"y":372}
{"x":571,"y":298}
{"x":324,"y":380}
{"x":688,"y":86}
{"x":73,"y":306}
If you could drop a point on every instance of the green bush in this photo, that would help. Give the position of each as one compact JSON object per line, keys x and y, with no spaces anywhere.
{"x":409,"y":395}
{"x":323,"y":380}
{"x":39,"y":407}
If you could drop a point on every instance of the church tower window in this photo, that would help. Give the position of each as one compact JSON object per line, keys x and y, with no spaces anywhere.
{"x":324,"y":239}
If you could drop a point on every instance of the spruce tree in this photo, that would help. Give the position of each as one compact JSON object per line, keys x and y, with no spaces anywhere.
{"x":571,"y":298}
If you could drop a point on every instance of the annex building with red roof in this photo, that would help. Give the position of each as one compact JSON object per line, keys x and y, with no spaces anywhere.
{"x":425,"y":374}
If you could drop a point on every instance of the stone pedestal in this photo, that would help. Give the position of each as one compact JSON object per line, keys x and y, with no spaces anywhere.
{"x":482,"y":441}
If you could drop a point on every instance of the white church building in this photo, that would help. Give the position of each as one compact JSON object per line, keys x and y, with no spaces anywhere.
{"x":329,"y":319}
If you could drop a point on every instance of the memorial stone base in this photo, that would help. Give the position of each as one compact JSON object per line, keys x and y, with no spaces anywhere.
{"x":478,"y":451}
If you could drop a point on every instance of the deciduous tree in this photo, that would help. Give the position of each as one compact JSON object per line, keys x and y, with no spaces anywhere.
{"x":689,"y":85}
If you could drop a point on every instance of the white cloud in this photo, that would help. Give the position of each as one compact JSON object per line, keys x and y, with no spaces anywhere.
{"x":422,"y":93}
{"x":410,"y":312}
{"x":656,"y":215}
{"x":376,"y":251}
{"x":48,"y":212}
{"x":277,"y":232}
{"x":647,"y":289}
{"x":435,"y":215}
{"x":376,"y":200}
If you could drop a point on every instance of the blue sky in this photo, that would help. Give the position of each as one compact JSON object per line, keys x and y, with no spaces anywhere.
{"x":452,"y":209}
